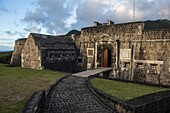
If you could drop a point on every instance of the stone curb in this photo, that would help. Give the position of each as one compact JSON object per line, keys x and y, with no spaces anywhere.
{"x":144,"y":104}
{"x":100,"y":95}
{"x":37,"y":101}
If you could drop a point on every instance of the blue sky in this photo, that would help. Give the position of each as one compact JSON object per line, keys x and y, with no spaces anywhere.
{"x":20,"y":17}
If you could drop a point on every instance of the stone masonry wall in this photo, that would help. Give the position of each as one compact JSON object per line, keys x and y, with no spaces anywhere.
{"x":148,"y":59}
{"x":106,"y":36}
{"x":31,"y":54}
{"x":156,"y":34}
{"x":16,"y":55}
{"x":123,"y":32}
{"x":142,"y":55}
{"x":152,"y":62}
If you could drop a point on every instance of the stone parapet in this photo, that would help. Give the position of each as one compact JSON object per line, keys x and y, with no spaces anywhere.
{"x":151,"y":103}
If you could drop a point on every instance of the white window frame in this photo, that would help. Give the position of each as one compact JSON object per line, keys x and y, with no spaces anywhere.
{"x":91,"y":49}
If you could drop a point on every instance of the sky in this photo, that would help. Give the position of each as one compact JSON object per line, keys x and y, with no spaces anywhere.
{"x":19,"y":18}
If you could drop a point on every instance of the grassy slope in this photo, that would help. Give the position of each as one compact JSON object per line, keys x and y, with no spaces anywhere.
{"x":18,"y":84}
{"x":123,"y":91}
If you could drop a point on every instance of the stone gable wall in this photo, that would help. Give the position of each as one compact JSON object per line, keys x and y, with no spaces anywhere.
{"x":31,"y":54}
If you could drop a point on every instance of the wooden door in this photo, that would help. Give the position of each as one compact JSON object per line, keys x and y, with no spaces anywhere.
{"x":105,"y":58}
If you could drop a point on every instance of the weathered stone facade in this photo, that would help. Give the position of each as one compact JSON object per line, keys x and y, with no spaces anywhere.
{"x":133,"y":52}
{"x":16,"y":55}
{"x":31,"y":54}
{"x":40,"y":51}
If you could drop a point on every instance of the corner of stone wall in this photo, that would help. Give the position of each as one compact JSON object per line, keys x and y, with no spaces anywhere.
{"x":16,"y":55}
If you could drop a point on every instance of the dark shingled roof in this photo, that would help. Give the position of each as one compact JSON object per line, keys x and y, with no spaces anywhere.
{"x":21,"y":39}
{"x":53,"y":42}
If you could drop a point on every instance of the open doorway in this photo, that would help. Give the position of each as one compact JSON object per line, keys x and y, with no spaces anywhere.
{"x":106,"y":58}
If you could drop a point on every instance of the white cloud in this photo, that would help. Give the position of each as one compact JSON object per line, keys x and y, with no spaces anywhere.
{"x":72,"y":19}
{"x":14,"y":34}
{"x":60,"y":16}
{"x":7,"y":45}
{"x":33,"y":30}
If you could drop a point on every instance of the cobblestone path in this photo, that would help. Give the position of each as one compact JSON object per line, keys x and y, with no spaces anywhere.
{"x":72,"y":96}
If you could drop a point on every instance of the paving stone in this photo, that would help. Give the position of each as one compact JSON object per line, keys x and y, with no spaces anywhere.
{"x":72,"y":96}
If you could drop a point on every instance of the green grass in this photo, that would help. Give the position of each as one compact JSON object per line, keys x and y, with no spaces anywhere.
{"x":18,"y":84}
{"x":124,"y":91}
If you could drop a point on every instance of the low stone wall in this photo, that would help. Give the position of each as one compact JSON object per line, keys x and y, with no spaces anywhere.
{"x":151,"y":103}
{"x":37,"y":101}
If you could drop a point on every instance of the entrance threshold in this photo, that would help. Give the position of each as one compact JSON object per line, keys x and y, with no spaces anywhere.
{"x":92,"y":72}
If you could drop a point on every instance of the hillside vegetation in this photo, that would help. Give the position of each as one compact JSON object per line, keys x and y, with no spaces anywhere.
{"x":76,"y":32}
{"x":18,"y":84}
{"x":157,"y":24}
{"x":5,"y":57}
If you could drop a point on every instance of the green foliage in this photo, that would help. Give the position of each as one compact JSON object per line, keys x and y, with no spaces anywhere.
{"x":5,"y":57}
{"x":158,"y":24}
{"x":73,"y":32}
{"x":124,"y":91}
{"x":18,"y":84}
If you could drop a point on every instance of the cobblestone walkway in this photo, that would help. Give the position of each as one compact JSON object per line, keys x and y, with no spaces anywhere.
{"x":72,"y":96}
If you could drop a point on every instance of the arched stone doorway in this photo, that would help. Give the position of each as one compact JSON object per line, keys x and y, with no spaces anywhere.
{"x":106,"y":58}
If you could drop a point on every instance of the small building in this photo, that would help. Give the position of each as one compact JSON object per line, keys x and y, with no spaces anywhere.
{"x":49,"y":52}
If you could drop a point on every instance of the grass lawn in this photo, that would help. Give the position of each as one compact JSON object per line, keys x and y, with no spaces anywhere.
{"x":123,"y":91}
{"x":18,"y":84}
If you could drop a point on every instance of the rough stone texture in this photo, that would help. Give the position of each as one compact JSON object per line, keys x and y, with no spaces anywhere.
{"x":72,"y":96}
{"x":156,"y":34}
{"x":31,"y":54}
{"x":106,"y":36}
{"x":156,"y":69}
{"x":134,"y":53}
{"x":149,"y":46}
{"x":50,"y":52}
{"x":16,"y":55}
{"x":36,"y":103}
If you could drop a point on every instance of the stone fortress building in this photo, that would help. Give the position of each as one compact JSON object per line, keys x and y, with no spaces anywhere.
{"x":131,"y":50}
{"x":44,"y":51}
